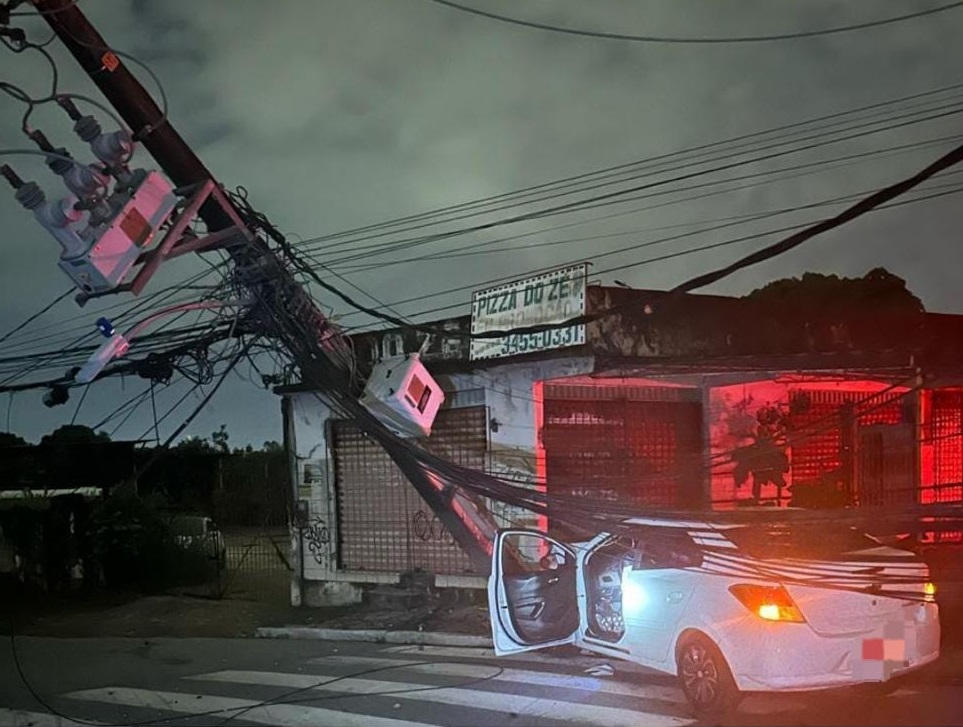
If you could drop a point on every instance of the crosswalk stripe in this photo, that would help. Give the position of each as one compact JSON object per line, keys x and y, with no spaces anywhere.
{"x":473,"y":653}
{"x":285,"y":715}
{"x":25,"y":718}
{"x":518,"y":704}
{"x":508,"y":674}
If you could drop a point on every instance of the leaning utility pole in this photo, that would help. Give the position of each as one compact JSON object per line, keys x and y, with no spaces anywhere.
{"x":295,"y":312}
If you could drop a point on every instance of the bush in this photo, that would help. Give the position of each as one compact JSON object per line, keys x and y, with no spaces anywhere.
{"x":132,"y":543}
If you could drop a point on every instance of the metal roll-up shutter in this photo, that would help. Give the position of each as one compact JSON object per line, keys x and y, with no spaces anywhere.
{"x":635,"y":446}
{"x":384,"y":525}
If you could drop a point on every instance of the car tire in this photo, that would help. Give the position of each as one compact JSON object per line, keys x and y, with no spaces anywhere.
{"x":705,"y":677}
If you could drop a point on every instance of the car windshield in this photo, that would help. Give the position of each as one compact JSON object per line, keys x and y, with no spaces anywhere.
{"x":799,"y":541}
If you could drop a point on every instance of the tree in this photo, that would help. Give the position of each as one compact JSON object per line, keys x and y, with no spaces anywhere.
{"x":73,"y":434}
{"x":9,"y":439}
{"x":220,"y":438}
{"x":76,"y":455}
{"x":17,"y":460}
{"x":272,"y":446}
{"x":878,"y":291}
{"x":197,"y":445}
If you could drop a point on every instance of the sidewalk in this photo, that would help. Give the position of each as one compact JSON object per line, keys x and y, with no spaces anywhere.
{"x":173,"y":615}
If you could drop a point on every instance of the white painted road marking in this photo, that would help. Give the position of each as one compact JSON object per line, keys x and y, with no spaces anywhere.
{"x":515,"y":676}
{"x":523,"y":705}
{"x":24,"y":718}
{"x":286,"y":715}
{"x":472,"y":653}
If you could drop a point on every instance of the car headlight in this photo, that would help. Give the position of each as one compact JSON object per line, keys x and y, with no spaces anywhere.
{"x":771,"y":603}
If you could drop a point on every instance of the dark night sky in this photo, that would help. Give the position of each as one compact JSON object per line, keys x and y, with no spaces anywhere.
{"x":337,"y":114}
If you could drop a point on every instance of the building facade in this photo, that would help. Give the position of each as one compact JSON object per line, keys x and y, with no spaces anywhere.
{"x":701,"y":402}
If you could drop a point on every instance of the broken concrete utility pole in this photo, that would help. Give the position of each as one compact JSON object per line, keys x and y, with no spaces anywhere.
{"x":292,"y":310}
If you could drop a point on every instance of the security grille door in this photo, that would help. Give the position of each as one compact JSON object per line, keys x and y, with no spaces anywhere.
{"x":850,"y":447}
{"x":942,"y":457}
{"x":886,"y":465}
{"x":384,"y":525}
{"x":943,"y":434}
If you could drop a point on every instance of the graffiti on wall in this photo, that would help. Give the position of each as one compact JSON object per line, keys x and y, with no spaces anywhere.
{"x":748,"y":431}
{"x":316,"y":537}
{"x":428,"y":527}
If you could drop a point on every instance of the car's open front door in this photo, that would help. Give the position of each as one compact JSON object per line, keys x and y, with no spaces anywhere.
{"x":532,"y":592}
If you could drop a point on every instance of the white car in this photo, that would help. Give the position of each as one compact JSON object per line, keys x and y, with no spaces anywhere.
{"x":727,"y":608}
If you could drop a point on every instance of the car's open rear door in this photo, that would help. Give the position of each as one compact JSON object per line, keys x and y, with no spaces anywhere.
{"x":532,"y":592}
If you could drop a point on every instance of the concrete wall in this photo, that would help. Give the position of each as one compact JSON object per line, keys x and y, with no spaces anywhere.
{"x":732,"y":424}
{"x":513,"y":398}
{"x":317,"y":531}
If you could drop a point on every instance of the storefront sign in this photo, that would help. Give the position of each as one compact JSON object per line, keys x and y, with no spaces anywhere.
{"x":548,"y":298}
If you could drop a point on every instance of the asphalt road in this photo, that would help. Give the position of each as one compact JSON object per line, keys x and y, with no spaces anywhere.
{"x":248,"y":682}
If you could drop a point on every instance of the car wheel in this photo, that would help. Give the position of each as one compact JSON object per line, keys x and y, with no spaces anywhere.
{"x":705,"y":677}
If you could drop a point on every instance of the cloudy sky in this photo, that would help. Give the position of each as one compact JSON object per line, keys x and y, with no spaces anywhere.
{"x":336,"y":114}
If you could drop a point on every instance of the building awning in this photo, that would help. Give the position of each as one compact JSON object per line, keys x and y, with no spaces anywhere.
{"x":878,"y":365}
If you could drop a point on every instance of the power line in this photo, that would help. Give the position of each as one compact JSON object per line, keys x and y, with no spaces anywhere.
{"x":646,"y":261}
{"x":947,"y":161}
{"x":161,"y":90}
{"x":239,"y":354}
{"x":688,"y":251}
{"x":83,"y":398}
{"x":192,"y":343}
{"x":697,"y":40}
{"x":751,"y":182}
{"x":36,"y":315}
{"x":625,"y":168}
{"x":131,"y":308}
{"x":39,"y":359}
{"x":619,"y":196}
{"x":131,"y":402}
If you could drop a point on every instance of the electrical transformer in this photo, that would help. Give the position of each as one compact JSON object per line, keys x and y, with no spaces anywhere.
{"x":403,"y":395}
{"x":121,"y":240}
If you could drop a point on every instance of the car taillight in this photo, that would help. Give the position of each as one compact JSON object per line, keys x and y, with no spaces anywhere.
{"x":772,"y":603}
{"x":929,"y":592}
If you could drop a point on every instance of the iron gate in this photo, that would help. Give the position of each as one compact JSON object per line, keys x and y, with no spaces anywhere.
{"x":621,"y":448}
{"x":848,"y":449}
{"x":384,"y":525}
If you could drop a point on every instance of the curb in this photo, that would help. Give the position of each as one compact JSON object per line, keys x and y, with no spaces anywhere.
{"x":377,"y":636}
